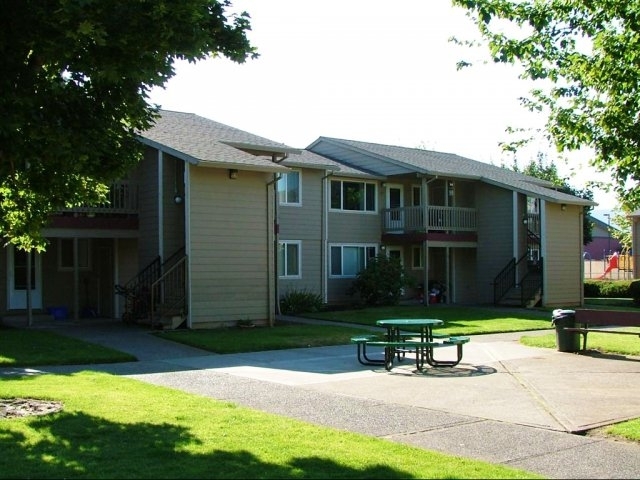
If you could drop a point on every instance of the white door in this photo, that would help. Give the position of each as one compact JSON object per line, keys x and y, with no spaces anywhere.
{"x":17,"y":276}
{"x":395,"y":201}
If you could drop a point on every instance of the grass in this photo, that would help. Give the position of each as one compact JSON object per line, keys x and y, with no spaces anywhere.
{"x":115,"y":427}
{"x":238,"y":340}
{"x":29,"y":347}
{"x":603,"y":342}
{"x":457,"y":321}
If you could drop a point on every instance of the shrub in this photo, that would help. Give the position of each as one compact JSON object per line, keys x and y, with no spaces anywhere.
{"x":607,"y":289}
{"x":300,"y":301}
{"x":380,"y":283}
{"x":634,"y":291}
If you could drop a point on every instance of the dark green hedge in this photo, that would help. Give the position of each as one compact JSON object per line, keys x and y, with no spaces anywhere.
{"x":612,"y":289}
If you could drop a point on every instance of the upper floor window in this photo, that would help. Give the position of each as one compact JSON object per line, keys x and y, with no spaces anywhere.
{"x":66,"y":256}
{"x":289,"y":188}
{"x":289,"y":252}
{"x":349,"y":260}
{"x":353,"y":196}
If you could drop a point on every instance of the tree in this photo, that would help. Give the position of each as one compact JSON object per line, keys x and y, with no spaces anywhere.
{"x":585,"y":57}
{"x":549,"y":171}
{"x":75,"y":80}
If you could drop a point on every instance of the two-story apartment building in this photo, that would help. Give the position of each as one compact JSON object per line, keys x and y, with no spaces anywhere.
{"x":216,"y":224}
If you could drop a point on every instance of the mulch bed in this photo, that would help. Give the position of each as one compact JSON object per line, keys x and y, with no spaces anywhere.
{"x":24,"y":407}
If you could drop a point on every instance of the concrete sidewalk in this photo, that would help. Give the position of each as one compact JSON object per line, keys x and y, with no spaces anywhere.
{"x":504,"y":403}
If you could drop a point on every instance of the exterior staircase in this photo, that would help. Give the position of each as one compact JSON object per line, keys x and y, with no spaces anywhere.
{"x":519,"y":284}
{"x":157,"y":294}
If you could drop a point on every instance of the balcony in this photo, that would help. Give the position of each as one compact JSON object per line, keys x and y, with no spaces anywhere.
{"x":122,"y":199}
{"x":411,"y":220}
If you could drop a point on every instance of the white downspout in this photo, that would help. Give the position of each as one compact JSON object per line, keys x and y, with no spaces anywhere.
{"x":425,"y":243}
{"x":324,"y":254}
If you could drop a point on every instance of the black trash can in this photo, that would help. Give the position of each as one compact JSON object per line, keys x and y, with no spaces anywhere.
{"x":566,"y":341}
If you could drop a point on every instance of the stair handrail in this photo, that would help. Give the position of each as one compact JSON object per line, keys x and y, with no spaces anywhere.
{"x":531,"y":283}
{"x":140,"y":285}
{"x":161,"y":289}
{"x":506,"y":278}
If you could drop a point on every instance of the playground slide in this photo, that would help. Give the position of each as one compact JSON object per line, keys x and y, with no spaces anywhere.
{"x":613,"y":263}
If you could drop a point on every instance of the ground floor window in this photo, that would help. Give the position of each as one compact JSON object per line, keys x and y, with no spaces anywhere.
{"x":65,"y":254}
{"x":289,"y":254}
{"x":349,"y":260}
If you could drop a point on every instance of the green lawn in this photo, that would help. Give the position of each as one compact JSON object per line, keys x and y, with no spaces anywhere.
{"x":113,"y":427}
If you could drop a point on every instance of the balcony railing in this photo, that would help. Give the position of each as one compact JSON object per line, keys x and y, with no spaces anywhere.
{"x":122,"y":198}
{"x":412,"y":219}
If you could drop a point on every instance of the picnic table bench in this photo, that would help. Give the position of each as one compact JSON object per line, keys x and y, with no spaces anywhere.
{"x":602,"y":321}
{"x":409,"y":343}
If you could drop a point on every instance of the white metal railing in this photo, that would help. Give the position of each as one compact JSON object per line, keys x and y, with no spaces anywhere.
{"x":122,"y":198}
{"x":412,"y":219}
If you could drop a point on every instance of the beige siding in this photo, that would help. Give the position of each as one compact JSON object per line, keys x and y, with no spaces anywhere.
{"x":228,"y":247}
{"x":495,"y":237}
{"x":563,"y":257}
{"x":304,"y":223}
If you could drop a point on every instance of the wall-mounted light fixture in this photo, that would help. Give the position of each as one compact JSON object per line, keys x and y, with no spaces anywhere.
{"x":563,"y":206}
{"x":177,"y":199}
{"x":384,"y":185}
{"x":233,"y":173}
{"x":525,"y":220}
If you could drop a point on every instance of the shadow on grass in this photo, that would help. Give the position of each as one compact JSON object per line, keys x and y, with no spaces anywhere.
{"x":76,"y":445}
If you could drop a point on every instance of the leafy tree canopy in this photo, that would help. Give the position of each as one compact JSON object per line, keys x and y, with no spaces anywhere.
{"x":544,"y":170}
{"x":585,"y":55}
{"x":75,"y":80}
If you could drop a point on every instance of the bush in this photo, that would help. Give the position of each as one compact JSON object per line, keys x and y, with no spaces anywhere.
{"x":608,"y":289}
{"x":634,"y":291}
{"x":380,"y":283}
{"x":300,"y":301}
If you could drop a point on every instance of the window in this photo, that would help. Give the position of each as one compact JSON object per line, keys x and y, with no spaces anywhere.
{"x":289,"y":189}
{"x":416,"y":257}
{"x":349,"y":260}
{"x":65,"y":254}
{"x":353,"y":196}
{"x":289,"y":259}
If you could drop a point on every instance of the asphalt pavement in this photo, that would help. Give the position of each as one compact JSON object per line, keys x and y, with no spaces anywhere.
{"x":530,"y":408}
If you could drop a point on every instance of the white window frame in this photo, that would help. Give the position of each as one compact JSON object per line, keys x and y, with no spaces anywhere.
{"x":284,"y":188}
{"x":342,"y":247}
{"x":283,"y":253}
{"x":84,"y":260}
{"x":342,"y":200}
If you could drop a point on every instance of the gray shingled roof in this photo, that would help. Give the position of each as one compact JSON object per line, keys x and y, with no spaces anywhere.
{"x":450,"y":165}
{"x":307,"y":159}
{"x":201,"y":141}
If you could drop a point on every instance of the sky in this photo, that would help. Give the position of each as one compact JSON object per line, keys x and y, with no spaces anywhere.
{"x":368,"y":70}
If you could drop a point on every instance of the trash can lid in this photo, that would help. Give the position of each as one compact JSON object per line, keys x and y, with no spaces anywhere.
{"x":560,"y":312}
